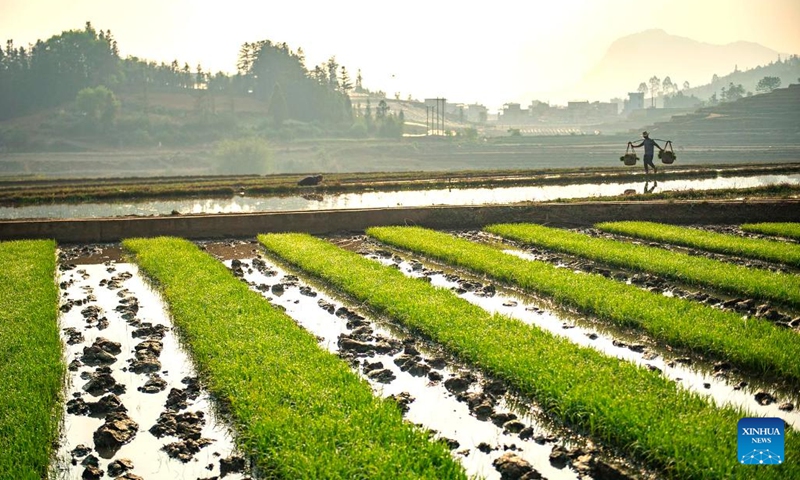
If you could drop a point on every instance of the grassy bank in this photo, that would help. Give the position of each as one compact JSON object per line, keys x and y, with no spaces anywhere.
{"x":31,"y":370}
{"x":768,"y":250}
{"x":299,"y":411}
{"x":788,"y":230}
{"x":692,"y":270}
{"x":638,"y":411}
{"x":755,"y":345}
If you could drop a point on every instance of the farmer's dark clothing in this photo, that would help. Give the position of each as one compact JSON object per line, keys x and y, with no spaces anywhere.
{"x":648,"y":144}
{"x":648,"y":160}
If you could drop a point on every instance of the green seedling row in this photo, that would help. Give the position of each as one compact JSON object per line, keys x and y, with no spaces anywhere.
{"x":692,"y":270}
{"x":769,"y":250}
{"x":31,"y":368}
{"x":652,"y":419}
{"x":788,"y":230}
{"x":754,"y":345}
{"x":299,"y":411}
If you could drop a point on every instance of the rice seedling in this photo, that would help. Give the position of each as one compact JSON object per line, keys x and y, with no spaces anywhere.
{"x":769,"y":250}
{"x":638,"y":411}
{"x":788,"y":230}
{"x":692,"y":270}
{"x":754,"y":345}
{"x":300,"y":412}
{"x":31,"y":367}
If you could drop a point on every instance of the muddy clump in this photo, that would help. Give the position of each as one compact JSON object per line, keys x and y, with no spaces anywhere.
{"x":513,"y":467}
{"x":119,"y":467}
{"x":146,"y":357}
{"x":101,"y":381}
{"x":117,"y":430}
{"x":232,"y":464}
{"x":185,"y":450}
{"x":101,"y":352}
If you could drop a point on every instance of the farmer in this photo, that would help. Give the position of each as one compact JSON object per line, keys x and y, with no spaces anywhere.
{"x":648,"y":143}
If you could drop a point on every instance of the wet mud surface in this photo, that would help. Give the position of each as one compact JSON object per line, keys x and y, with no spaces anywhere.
{"x":736,"y":230}
{"x":134,"y":406}
{"x":490,"y":430}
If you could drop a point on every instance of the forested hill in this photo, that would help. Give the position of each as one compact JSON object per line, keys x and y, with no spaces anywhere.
{"x":54,"y":71}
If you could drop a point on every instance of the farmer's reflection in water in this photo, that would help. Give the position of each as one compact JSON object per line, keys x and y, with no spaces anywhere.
{"x":648,"y":188}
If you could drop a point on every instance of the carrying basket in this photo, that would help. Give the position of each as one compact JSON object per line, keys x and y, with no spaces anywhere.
{"x":668,"y":154}
{"x":630,"y":157}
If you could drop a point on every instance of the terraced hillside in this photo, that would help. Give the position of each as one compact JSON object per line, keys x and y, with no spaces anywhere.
{"x":769,"y":119}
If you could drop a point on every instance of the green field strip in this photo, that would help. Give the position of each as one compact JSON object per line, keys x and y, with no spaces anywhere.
{"x":761,"y":249}
{"x":754,"y":345}
{"x":31,"y":367}
{"x":638,"y":411}
{"x":692,"y":270}
{"x":299,"y":411}
{"x":788,"y":230}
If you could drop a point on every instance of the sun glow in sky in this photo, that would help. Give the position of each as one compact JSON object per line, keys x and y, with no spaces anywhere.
{"x":488,"y":52}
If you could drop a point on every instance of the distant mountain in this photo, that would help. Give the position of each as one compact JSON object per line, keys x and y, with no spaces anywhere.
{"x":636,"y":58}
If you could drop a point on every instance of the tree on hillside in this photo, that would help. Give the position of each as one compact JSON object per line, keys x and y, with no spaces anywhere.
{"x":345,"y":84}
{"x":333,"y":76}
{"x":667,"y":85}
{"x":359,"y":84}
{"x":733,"y":92}
{"x":53,"y":71}
{"x":655,"y":86}
{"x":309,"y":96}
{"x":686,"y":85}
{"x":768,"y":84}
{"x":99,"y":106}
{"x":382,"y":110}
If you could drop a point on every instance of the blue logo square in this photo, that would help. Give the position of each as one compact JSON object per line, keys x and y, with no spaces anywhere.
{"x":761,"y":441}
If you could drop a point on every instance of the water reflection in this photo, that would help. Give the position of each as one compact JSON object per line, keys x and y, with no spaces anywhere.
{"x":411,"y":198}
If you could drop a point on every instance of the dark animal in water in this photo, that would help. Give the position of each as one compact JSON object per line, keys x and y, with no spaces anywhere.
{"x":312,"y":180}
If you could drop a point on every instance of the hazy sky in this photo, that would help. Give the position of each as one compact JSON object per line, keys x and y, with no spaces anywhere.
{"x":497,"y":52}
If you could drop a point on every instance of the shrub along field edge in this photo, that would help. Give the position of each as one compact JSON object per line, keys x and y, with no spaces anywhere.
{"x":725,"y":277}
{"x":638,"y":411}
{"x":31,"y":367}
{"x":761,"y":249}
{"x":299,"y":411}
{"x":788,"y":230}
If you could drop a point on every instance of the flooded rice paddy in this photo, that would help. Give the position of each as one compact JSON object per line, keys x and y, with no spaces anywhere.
{"x":127,"y":366}
{"x":706,"y":379}
{"x":133,"y":403}
{"x":388,"y":199}
{"x":476,"y":416}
